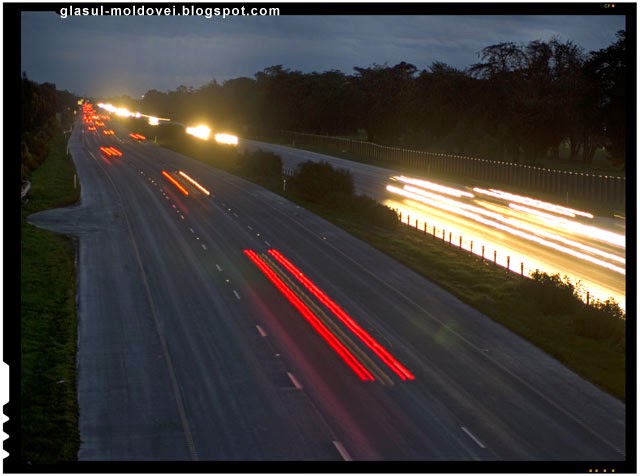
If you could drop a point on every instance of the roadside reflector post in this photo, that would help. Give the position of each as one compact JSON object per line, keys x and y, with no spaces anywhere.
{"x":587,"y":298}
{"x":449,"y":237}
{"x":416,"y":223}
{"x":471,"y":246}
{"x":521,"y":268}
{"x":434,"y":231}
{"x":495,"y":256}
{"x":460,"y":241}
{"x":483,"y":252}
{"x":508,"y":261}
{"x":443,"y":234}
{"x":425,"y":227}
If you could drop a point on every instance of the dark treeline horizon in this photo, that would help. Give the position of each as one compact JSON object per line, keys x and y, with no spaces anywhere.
{"x":520,"y":103}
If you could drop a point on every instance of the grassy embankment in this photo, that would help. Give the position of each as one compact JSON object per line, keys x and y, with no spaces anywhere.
{"x":546,"y":311}
{"x":48,"y":402}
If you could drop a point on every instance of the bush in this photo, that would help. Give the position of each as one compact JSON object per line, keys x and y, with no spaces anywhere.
{"x":598,"y":320}
{"x":373,"y":212}
{"x":261,"y":165}
{"x":319,"y":182}
{"x":553,"y":294}
{"x":602,"y":320}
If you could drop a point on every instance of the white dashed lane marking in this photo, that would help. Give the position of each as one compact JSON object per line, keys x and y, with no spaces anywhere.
{"x":476,"y":440}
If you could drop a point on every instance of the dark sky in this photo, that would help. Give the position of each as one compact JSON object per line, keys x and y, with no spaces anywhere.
{"x":106,"y":56}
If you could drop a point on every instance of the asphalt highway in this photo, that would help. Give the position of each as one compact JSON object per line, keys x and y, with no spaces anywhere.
{"x":198,"y":343}
{"x":543,"y":244}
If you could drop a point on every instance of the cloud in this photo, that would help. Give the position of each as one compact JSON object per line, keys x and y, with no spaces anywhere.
{"x":140,"y":53}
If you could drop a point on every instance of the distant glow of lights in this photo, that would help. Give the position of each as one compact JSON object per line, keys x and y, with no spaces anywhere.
{"x":153,"y":121}
{"x":226,"y":139}
{"x":121,"y":111}
{"x":369,"y":341}
{"x":311,"y":318}
{"x":196,"y":184}
{"x":533,"y":202}
{"x":462,"y":209}
{"x":575,"y":227}
{"x":175,"y":182}
{"x":434,"y":186}
{"x":201,"y":132}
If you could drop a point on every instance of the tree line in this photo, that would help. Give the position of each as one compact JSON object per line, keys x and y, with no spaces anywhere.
{"x":44,"y":111}
{"x":521,"y":103}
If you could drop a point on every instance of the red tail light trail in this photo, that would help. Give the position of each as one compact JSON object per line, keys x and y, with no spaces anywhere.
{"x":319,"y":327}
{"x":369,"y":341}
{"x":175,"y":182}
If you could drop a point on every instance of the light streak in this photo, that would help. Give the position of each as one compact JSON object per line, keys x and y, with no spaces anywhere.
{"x":462,"y":209}
{"x":123,"y":112}
{"x":196,"y":184}
{"x":380,"y":351}
{"x":226,"y":139}
{"x":201,"y":132}
{"x":115,"y":151}
{"x":106,"y":151}
{"x":575,"y":227}
{"x":434,"y":186}
{"x":311,"y":318}
{"x":531,"y":228}
{"x":533,"y":202}
{"x":175,"y":182}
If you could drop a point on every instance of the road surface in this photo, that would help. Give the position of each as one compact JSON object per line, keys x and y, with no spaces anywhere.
{"x":591,"y":251}
{"x":189,"y":351}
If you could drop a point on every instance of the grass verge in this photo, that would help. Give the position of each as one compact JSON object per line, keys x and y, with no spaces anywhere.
{"x":48,"y":320}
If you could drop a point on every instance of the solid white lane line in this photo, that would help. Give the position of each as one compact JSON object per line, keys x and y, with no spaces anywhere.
{"x":191,"y":230}
{"x":237,"y":295}
{"x":261,"y":331}
{"x":294,"y":381}
{"x":477,"y":441}
{"x":343,"y":452}
{"x":267,"y":243}
{"x":218,"y":267}
{"x":203,"y":247}
{"x":250,"y":228}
